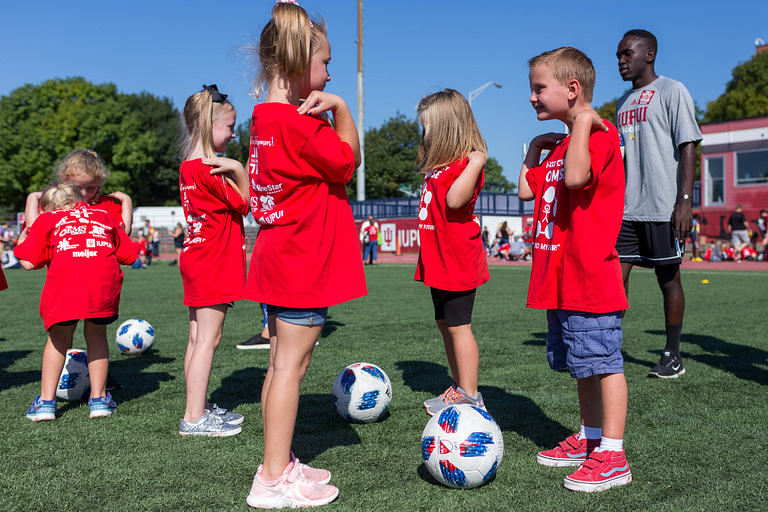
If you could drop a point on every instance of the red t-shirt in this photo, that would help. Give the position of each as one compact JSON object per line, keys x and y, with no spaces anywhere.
{"x":373,"y":232}
{"x":3,"y":282}
{"x":575,"y":263}
{"x":212,"y":263}
{"x":451,"y":256}
{"x":307,"y":252}
{"x":112,"y":206}
{"x":83,"y":249}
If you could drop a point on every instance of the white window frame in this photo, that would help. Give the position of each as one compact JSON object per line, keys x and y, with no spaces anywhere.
{"x":708,"y":177}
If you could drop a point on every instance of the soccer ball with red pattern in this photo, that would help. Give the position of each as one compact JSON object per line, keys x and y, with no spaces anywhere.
{"x":462,"y":446}
{"x":361,"y":393}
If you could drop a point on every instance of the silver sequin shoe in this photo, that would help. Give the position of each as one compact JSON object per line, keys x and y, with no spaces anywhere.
{"x":228,"y":417}
{"x":209,"y":425}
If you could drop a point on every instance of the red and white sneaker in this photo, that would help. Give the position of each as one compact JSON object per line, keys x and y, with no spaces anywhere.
{"x":601,"y":471}
{"x":320,"y":476}
{"x":291,"y":489}
{"x":571,"y":452}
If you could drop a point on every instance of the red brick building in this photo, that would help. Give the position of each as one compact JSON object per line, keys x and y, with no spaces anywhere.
{"x":734,"y":170}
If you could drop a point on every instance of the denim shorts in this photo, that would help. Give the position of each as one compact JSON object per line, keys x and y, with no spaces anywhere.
{"x":298,"y":316}
{"x":586,"y":344}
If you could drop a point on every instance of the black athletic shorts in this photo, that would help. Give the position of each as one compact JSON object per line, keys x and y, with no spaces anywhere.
{"x":649,"y":244}
{"x":98,"y":321}
{"x":453,"y":307}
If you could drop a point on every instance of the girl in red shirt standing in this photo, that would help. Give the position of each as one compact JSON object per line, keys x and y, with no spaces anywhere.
{"x":214,"y":196}
{"x":306,"y":255}
{"x":451,"y":259}
{"x":83,"y":249}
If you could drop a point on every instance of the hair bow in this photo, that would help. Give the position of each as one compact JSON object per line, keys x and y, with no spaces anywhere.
{"x":294,"y":2}
{"x":216,"y":96}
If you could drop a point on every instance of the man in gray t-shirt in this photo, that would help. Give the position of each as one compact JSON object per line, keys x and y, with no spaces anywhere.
{"x":657,"y":123}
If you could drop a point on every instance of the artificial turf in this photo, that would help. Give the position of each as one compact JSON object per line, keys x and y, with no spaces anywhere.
{"x":693,"y":443}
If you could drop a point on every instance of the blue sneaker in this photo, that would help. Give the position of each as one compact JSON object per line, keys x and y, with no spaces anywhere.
{"x":42,"y":410}
{"x":102,"y":406}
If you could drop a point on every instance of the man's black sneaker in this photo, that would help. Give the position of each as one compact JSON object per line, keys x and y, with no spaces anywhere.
{"x":257,"y":341}
{"x":670,"y":366}
{"x":113,"y":383}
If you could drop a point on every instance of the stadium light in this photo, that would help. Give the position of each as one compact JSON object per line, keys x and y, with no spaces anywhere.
{"x":474,"y":94}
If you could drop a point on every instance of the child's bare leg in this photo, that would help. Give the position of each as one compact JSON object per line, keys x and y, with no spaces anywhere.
{"x":54,"y":356}
{"x":590,"y":402}
{"x":272,"y":333}
{"x":613,"y":387}
{"x":98,"y":357}
{"x":292,"y":354}
{"x":463,"y":355}
{"x":192,"y":338}
{"x":210,"y":323}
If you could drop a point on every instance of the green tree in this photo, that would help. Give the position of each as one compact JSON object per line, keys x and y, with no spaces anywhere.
{"x":495,"y":181}
{"x":390,"y":156}
{"x":746,"y":95}
{"x":135,"y":134}
{"x":390,"y":161}
{"x":607,"y":110}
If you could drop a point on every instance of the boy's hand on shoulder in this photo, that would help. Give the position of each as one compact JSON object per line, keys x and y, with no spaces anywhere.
{"x":547,"y":140}
{"x":590,"y":117}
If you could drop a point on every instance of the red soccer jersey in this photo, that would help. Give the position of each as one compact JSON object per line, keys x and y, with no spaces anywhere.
{"x":3,"y":282}
{"x":83,"y":249}
{"x":373,"y":232}
{"x":451,"y":256}
{"x":212,"y":263}
{"x":575,"y":263}
{"x":307,"y":253}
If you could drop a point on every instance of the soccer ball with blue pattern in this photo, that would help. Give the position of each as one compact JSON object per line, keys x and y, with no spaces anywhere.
{"x":75,"y":381}
{"x":462,"y":446}
{"x":135,"y":336}
{"x":361,"y":393}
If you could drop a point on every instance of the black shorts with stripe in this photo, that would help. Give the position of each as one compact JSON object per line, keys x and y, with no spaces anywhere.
{"x":649,"y":244}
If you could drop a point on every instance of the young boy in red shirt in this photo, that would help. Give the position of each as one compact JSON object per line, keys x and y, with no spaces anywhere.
{"x":576,"y":276}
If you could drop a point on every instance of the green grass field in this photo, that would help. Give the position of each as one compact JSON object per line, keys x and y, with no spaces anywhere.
{"x":694,"y":443}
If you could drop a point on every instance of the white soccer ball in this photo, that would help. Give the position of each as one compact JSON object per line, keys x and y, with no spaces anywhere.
{"x":462,"y":446}
{"x":361,"y":393}
{"x":135,"y":336}
{"x":74,"y":382}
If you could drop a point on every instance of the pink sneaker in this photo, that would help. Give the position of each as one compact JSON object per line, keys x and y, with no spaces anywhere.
{"x":601,"y":471}
{"x":571,"y":452}
{"x":319,"y":476}
{"x":290,"y":490}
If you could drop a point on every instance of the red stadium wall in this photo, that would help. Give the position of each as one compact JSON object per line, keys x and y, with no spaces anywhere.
{"x":406,"y":231}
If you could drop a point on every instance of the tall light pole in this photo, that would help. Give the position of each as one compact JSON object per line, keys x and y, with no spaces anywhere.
{"x":474,"y":94}
{"x":360,"y":125}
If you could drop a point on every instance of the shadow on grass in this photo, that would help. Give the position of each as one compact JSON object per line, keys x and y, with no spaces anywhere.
{"x":539,"y":341}
{"x":320,"y":428}
{"x":12,"y":379}
{"x":739,"y":360}
{"x":330,"y":326}
{"x":516,"y":413}
{"x":129,"y":370}
{"x":241,"y":387}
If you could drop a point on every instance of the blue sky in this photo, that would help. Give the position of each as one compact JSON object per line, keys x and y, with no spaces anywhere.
{"x":170,"y":48}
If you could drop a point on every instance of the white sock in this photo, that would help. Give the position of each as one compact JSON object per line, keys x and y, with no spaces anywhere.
{"x":473,"y":397}
{"x":610,"y":445}
{"x":592,"y":432}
